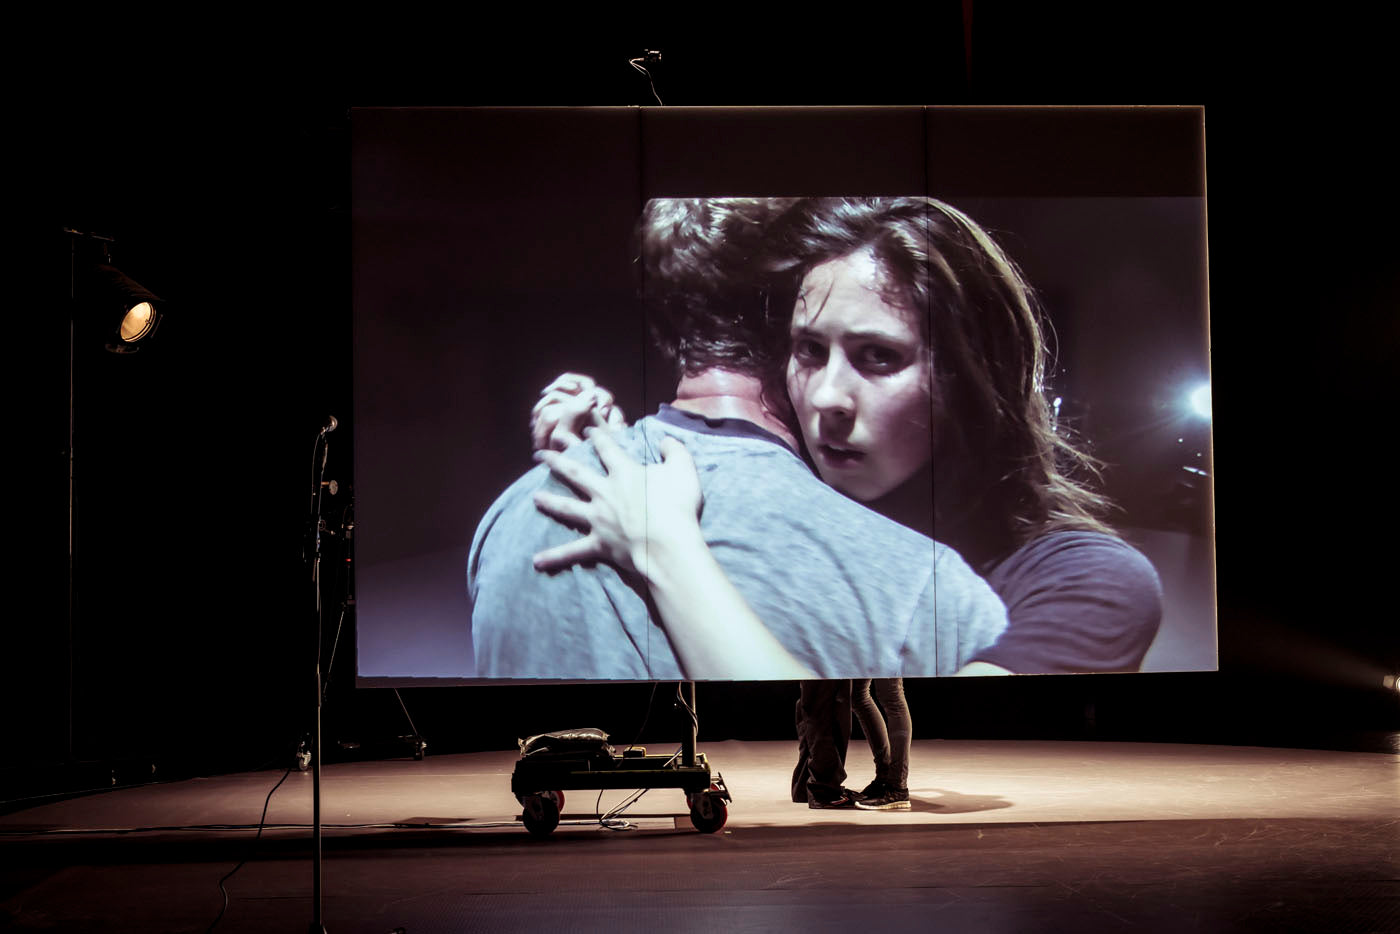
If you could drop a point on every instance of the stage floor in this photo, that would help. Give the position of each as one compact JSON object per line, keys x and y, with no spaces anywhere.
{"x":1002,"y":836}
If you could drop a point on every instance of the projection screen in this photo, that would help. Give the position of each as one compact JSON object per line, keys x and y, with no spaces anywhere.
{"x":874,"y":489}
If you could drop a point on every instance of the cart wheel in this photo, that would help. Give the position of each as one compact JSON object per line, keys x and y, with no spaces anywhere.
{"x":707,"y":812}
{"x":541,"y":814}
{"x":691,"y":796}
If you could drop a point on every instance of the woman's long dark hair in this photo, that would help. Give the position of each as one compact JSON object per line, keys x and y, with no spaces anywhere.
{"x":1002,"y":473}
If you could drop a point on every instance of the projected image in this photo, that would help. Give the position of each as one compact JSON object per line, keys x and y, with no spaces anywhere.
{"x":730,"y":557}
{"x":783,"y":438}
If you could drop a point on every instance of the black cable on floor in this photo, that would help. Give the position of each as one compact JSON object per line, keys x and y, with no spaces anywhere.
{"x":261,"y":821}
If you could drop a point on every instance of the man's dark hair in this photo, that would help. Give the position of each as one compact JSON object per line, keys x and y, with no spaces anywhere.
{"x":710,"y":302}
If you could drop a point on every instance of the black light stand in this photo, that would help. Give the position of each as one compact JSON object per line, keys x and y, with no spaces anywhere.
{"x":345,"y":527}
{"x":102,"y":301}
{"x":321,"y":447}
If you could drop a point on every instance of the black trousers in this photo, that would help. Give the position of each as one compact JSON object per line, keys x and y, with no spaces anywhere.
{"x":823,"y":733}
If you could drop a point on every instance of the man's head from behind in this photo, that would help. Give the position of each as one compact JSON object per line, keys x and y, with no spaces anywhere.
{"x":709,"y":302}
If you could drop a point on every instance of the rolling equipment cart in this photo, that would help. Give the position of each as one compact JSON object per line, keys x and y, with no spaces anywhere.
{"x":553,"y":763}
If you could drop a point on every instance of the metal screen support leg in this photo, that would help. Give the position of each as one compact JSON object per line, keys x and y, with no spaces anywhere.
{"x":692,"y":726}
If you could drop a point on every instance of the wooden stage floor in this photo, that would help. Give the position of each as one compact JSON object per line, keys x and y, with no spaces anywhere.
{"x":1002,"y":837}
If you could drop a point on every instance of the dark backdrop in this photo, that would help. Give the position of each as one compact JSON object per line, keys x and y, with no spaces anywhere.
{"x":220,"y":162}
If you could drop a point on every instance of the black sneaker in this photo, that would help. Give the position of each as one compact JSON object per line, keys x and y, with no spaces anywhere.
{"x":890,"y":799}
{"x":875,"y":789}
{"x":846,"y":799}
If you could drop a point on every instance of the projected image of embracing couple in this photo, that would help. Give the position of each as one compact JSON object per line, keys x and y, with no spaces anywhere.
{"x":858,"y":477}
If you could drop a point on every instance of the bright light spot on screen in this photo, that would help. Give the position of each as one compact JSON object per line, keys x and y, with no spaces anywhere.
{"x":1200,"y":400}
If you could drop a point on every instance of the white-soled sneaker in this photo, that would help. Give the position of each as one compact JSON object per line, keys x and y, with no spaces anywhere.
{"x":890,"y":799}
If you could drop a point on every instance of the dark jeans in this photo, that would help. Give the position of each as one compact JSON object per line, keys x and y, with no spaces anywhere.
{"x":823,"y":733}
{"x":889,"y":747}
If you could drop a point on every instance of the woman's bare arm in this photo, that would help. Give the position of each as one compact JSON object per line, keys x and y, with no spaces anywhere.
{"x":644,"y":519}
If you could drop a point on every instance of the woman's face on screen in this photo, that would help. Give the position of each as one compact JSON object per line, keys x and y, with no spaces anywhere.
{"x":858,"y":378}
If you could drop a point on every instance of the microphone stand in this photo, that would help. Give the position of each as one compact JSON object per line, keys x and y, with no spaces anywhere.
{"x":317,"y":920}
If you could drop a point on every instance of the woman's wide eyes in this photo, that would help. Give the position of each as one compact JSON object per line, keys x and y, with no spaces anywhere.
{"x":869,"y":358}
{"x":879,"y":358}
{"x":808,"y":351}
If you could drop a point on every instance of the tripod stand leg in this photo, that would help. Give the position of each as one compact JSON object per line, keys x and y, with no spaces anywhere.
{"x":420,"y":746}
{"x":687,"y":694}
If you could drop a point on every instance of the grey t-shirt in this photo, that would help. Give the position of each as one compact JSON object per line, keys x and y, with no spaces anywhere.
{"x":848,"y":593}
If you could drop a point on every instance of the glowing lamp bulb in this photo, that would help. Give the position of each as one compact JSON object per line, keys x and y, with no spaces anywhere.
{"x":137,"y":322}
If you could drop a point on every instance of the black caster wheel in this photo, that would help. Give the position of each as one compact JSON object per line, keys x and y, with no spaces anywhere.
{"x":708,"y":812}
{"x":558,"y":797}
{"x":541,"y":814}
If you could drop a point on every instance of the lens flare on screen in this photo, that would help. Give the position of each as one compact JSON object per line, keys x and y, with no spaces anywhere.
{"x":1199,"y":400}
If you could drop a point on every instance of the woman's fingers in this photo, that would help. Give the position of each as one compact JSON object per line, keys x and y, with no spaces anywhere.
{"x":561,"y":439}
{"x":570,"y":553}
{"x":579,"y":476}
{"x":548,"y":436}
{"x":542,"y":408}
{"x":556,"y":421}
{"x":682,"y":479}
{"x":678,"y":463}
{"x":611,"y":417}
{"x":548,"y":400}
{"x":568,"y":405}
{"x":671,"y":448}
{"x":571,"y":383}
{"x":566,"y":509}
{"x":543,"y":423}
{"x":606,"y":413}
{"x":595,"y":396}
{"x":613,"y":457}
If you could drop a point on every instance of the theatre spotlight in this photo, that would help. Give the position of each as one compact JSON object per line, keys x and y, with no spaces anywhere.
{"x":1392,"y":682}
{"x":121,"y":310}
{"x":126,"y":313}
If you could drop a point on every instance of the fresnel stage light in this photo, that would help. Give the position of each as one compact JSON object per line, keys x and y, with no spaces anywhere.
{"x":128,"y":313}
{"x":125,"y":313}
